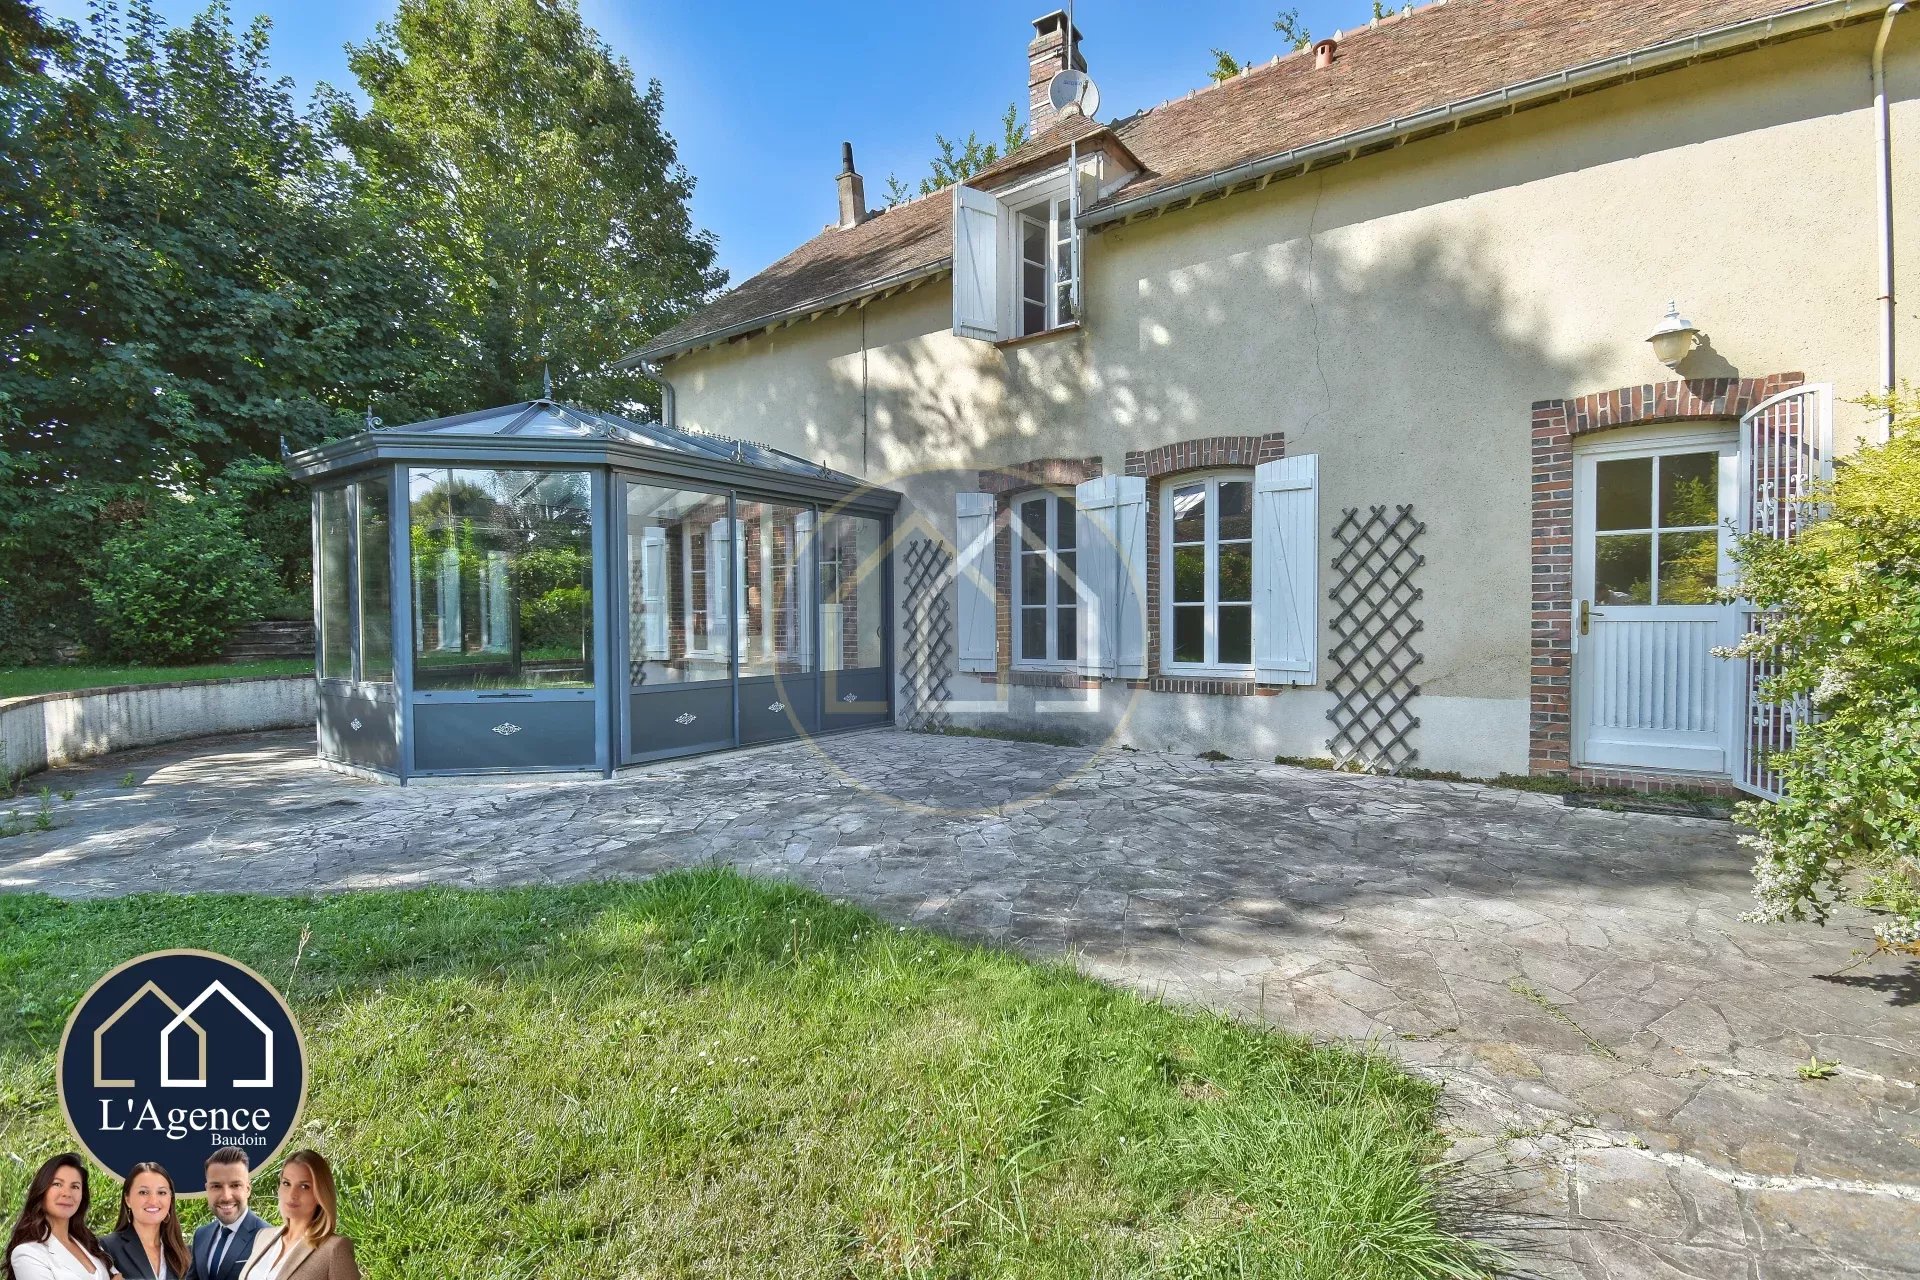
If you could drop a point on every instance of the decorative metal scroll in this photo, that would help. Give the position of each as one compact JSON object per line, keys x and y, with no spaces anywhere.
{"x":1373,"y":626}
{"x":927,"y":654}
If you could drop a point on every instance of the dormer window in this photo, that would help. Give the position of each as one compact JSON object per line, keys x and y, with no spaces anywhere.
{"x":1014,"y":260}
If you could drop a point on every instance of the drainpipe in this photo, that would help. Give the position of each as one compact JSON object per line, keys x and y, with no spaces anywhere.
{"x":668,"y":410}
{"x":1883,"y":158}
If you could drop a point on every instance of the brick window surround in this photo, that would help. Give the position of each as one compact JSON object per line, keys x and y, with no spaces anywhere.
{"x":1009,"y":484}
{"x":1556,"y":425}
{"x":1204,"y":454}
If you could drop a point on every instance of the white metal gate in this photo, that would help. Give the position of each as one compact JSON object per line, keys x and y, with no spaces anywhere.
{"x":1786,"y":447}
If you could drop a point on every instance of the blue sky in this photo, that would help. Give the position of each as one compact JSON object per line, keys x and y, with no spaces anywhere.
{"x":760,"y":94}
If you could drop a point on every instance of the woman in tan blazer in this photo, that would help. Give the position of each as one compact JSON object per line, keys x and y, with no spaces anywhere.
{"x":306,"y":1245}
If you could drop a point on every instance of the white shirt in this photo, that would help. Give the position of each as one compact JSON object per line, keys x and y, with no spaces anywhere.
{"x":268,"y":1268}
{"x":222,"y":1246}
{"x":51,"y":1260}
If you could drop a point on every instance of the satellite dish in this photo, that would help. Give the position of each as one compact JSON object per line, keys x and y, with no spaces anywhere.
{"x":1072,"y":90}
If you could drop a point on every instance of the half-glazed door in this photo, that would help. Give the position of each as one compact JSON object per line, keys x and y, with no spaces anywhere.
{"x":1650,"y":549}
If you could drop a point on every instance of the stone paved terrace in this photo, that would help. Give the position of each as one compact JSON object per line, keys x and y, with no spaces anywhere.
{"x":1618,"y":1047}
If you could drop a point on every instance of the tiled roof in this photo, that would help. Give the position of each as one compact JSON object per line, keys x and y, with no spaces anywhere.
{"x":1445,"y":53}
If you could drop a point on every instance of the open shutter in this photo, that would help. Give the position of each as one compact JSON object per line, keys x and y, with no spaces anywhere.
{"x":973,"y":573}
{"x":1286,"y":570}
{"x":976,"y":264}
{"x":1096,"y":574}
{"x":653,"y":592}
{"x":1786,"y":447}
{"x":801,"y":593}
{"x":1111,"y":564}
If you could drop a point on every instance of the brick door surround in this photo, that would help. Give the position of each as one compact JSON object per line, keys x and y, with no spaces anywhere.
{"x":1556,"y":424}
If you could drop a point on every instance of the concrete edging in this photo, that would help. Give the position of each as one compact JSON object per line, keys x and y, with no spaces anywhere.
{"x":45,"y":729}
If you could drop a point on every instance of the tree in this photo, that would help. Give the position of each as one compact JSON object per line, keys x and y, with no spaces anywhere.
{"x":958,"y":162}
{"x":1845,"y":633}
{"x":550,"y":203}
{"x":1292,"y":30}
{"x":25,"y":40}
{"x":1225,"y":66}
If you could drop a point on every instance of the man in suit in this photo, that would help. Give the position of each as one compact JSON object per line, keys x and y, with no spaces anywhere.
{"x":220,"y":1248}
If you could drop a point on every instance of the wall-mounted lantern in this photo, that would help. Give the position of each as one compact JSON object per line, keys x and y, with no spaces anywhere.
{"x":1675,"y":339}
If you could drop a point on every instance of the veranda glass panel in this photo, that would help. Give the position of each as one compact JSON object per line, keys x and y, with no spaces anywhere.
{"x":778,"y":596}
{"x":336,"y":582}
{"x":376,"y":588}
{"x":679,"y":585}
{"x":502,"y":578}
{"x":850,"y":585}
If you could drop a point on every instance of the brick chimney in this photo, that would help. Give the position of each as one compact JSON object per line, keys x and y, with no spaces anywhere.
{"x":1046,"y":56}
{"x":853,"y":192}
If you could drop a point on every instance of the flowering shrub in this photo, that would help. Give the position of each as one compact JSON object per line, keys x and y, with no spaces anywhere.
{"x":1846,"y":632}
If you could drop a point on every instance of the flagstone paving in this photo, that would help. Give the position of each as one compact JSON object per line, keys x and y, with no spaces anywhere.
{"x":1619,"y":1049}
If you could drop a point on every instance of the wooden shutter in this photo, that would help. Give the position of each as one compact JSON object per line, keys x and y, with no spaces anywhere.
{"x":1111,"y":559}
{"x":1286,"y":570}
{"x":974,"y":576}
{"x":1786,"y":448}
{"x":976,"y":264}
{"x":653,"y":592}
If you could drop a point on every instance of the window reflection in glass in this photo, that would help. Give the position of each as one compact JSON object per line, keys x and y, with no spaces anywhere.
{"x":851,"y":565}
{"x":1623,"y":569}
{"x":502,"y":578}
{"x":335,"y":646}
{"x":677,"y":587}
{"x":777,"y":600}
{"x":376,"y":587}
{"x":1623,"y":489}
{"x":1689,"y":490}
{"x":1689,"y":567}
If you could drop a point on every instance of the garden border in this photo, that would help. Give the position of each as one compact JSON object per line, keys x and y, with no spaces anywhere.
{"x":41,"y":730}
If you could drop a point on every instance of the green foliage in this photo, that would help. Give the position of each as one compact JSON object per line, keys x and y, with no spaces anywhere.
{"x":541,"y":191}
{"x":1292,"y":30}
{"x":1846,"y":634}
{"x":16,"y":682}
{"x":177,"y":584}
{"x":959,"y":161}
{"x":1225,"y":66}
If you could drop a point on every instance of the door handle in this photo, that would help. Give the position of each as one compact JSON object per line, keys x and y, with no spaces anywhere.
{"x":1583,"y":616}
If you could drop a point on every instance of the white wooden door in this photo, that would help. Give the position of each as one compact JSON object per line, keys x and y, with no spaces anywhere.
{"x":1651,"y":541}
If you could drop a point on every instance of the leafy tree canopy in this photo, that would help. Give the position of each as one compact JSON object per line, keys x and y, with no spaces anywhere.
{"x":959,"y":161}
{"x":548,"y":198}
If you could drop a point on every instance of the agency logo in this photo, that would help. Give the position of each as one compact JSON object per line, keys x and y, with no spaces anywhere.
{"x":175,"y":1054}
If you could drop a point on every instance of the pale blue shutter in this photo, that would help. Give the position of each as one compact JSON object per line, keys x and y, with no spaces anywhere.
{"x":1112,"y":564}
{"x":1130,"y":610}
{"x":976,"y":264}
{"x":1286,"y":565}
{"x":974,"y":578}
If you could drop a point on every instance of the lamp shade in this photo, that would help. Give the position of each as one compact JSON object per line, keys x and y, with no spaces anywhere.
{"x":1675,"y":338}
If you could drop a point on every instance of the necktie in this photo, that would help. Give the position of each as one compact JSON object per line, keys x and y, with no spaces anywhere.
{"x":219,"y":1254}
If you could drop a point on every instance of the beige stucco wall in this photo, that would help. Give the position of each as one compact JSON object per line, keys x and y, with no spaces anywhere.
{"x":1398,"y":316}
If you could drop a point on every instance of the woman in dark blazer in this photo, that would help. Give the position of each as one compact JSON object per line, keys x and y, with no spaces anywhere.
{"x":146,"y":1243}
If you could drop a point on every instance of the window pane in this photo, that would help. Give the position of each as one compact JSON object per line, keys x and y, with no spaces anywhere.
{"x":1624,"y":494}
{"x":1190,"y":633}
{"x":1236,"y":510}
{"x":1190,"y":513}
{"x":1033,"y":634}
{"x":1689,"y":490}
{"x":1689,"y":567}
{"x":671,"y":591}
{"x":376,"y":588}
{"x":336,"y":579}
{"x":502,"y":578}
{"x":1236,"y":571}
{"x":1065,"y":622}
{"x":1064,"y":302}
{"x":1033,"y":283}
{"x":1064,"y":517}
{"x":1189,"y":573}
{"x":1033,"y":523}
{"x":1033,"y":317}
{"x":1033,"y":239}
{"x":1623,"y":569}
{"x":1033,"y":578}
{"x":777,"y":596}
{"x":851,"y":567}
{"x":1236,"y":634}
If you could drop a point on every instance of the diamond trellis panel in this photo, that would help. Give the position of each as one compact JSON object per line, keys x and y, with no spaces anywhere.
{"x":1373,"y":626}
{"x":927,"y":657}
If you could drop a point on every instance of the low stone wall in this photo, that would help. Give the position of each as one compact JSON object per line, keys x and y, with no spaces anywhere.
{"x":46,"y":729}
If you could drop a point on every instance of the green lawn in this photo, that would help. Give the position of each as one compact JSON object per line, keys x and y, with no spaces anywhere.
{"x":704,"y":1075}
{"x":17,"y":682}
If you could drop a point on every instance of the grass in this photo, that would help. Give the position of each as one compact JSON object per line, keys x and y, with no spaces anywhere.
{"x":18,"y":682}
{"x":1038,"y":737}
{"x":704,"y":1075}
{"x":1545,"y":784}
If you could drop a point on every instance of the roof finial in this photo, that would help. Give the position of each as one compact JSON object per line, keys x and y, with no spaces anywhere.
{"x":546,"y":381}
{"x":372,"y":421}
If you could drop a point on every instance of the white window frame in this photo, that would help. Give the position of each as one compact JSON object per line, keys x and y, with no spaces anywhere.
{"x":1211,"y":667}
{"x":1053,"y":192}
{"x":1050,"y":556}
{"x":1052,"y":218}
{"x":690,"y":603}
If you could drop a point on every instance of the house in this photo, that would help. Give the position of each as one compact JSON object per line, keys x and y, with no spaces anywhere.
{"x":1316,"y":412}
